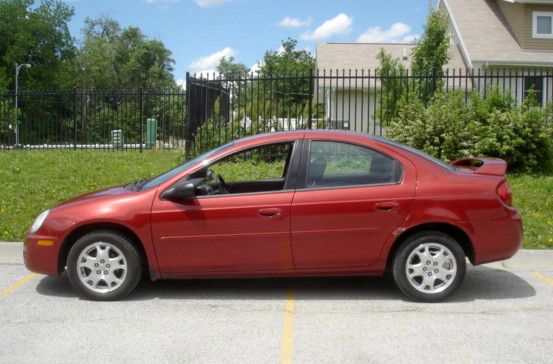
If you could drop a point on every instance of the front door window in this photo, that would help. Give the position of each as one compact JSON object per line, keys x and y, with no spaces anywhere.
{"x":259,"y":169}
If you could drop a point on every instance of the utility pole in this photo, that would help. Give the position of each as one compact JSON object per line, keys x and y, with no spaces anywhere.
{"x":17,"y":68}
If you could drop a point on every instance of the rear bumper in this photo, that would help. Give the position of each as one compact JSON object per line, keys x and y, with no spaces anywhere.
{"x":41,"y":258}
{"x":497,"y":239}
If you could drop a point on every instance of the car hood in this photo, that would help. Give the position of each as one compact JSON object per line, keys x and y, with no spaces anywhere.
{"x":107,"y":192}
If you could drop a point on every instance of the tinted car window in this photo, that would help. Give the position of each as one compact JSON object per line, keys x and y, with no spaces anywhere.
{"x":335,"y":164}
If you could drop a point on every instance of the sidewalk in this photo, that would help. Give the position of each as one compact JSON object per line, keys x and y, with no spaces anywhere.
{"x":11,"y":253}
{"x":526,"y":260}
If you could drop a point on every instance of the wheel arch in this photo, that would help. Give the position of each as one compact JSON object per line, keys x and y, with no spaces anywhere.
{"x":452,"y":230}
{"x":80,"y":231}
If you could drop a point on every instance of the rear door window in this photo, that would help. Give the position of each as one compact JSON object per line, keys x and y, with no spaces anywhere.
{"x":337,"y":164}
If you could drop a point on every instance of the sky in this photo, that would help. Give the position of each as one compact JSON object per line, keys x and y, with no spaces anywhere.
{"x":200,"y":32}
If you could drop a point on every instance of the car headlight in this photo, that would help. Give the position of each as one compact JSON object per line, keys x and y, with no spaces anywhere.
{"x":39,"y":221}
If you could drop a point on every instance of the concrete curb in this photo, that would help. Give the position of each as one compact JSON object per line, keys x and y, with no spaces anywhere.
{"x":526,"y":260}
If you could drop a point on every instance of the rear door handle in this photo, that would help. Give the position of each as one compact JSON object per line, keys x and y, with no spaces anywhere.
{"x":387,"y":206}
{"x":269,"y":212}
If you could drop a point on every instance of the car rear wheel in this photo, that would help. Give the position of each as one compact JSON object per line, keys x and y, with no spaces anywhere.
{"x":104,"y":265}
{"x":429,"y":266}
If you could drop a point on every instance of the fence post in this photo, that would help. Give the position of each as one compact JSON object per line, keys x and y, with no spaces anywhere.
{"x":187,"y":146}
{"x":75,"y":118}
{"x":310,"y":101}
{"x":141,"y":117}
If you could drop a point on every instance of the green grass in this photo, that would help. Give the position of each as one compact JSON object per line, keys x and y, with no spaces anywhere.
{"x":533,"y":197}
{"x":32,"y":181}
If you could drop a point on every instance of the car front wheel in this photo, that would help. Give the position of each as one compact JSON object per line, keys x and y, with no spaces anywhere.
{"x":429,"y":266}
{"x":103,"y":265}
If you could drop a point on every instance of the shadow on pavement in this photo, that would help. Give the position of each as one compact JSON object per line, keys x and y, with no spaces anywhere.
{"x":481,"y":283}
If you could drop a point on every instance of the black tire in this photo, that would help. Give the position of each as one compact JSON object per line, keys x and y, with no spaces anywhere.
{"x":131,"y":255}
{"x":402,"y":254}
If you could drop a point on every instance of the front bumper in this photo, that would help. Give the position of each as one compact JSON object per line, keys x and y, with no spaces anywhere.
{"x":40,"y":255}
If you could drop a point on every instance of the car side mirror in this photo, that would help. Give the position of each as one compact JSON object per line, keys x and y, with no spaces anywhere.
{"x":183,"y":191}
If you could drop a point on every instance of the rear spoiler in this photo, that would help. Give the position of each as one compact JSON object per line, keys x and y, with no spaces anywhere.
{"x":489,"y":166}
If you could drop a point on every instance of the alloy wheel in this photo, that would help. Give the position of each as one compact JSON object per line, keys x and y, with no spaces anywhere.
{"x":102,"y":267}
{"x":431,"y":268}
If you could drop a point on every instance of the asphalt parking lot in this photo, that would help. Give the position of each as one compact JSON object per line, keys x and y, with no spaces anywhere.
{"x":500,"y":314}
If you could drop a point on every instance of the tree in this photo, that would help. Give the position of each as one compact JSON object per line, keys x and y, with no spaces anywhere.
{"x":394,"y":85}
{"x":431,"y":54}
{"x":428,"y":58}
{"x":229,"y":68}
{"x":115,"y":58}
{"x":38,"y":35}
{"x":289,"y":97}
{"x":288,"y":60}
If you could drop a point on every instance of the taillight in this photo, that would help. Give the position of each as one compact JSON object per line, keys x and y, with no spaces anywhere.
{"x":504,"y":193}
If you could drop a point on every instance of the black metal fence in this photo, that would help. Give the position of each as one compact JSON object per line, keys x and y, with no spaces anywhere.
{"x":93,"y":119}
{"x":212,"y":110}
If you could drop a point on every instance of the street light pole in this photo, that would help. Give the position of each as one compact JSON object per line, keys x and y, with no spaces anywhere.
{"x":17,"y":68}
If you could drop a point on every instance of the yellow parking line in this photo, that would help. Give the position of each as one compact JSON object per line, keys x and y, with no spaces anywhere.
{"x":543,"y":278}
{"x":16,"y":285}
{"x":287,"y":348}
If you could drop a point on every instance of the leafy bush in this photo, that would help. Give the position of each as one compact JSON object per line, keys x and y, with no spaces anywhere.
{"x":439,"y":129}
{"x":493,"y":126}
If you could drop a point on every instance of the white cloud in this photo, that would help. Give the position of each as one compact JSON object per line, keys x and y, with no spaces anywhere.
{"x":181,"y":82}
{"x":338,"y":26}
{"x":398,"y":32}
{"x":210,"y":3}
{"x":256,"y":67}
{"x":207,"y":64}
{"x":411,"y":38}
{"x":291,"y":22}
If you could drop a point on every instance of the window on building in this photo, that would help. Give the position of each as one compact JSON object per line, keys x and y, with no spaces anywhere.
{"x":542,"y":24}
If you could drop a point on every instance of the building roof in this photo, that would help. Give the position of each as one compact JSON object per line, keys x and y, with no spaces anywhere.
{"x":362,"y":56}
{"x":485,"y":36}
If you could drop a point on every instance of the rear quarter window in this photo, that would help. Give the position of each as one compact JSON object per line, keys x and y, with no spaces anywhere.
{"x":407,"y":148}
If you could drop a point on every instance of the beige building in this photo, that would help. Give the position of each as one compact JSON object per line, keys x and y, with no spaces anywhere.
{"x":503,"y":42}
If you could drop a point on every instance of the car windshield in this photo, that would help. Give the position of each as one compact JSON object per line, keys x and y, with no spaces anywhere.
{"x":156,"y":181}
{"x":437,"y":161}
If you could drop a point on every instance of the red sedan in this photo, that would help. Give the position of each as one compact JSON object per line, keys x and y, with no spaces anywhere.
{"x":301,"y":203}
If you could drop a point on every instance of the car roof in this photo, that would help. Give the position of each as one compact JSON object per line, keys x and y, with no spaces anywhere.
{"x":300,"y":134}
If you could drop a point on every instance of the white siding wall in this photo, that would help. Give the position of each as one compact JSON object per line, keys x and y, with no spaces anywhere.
{"x":353,"y":110}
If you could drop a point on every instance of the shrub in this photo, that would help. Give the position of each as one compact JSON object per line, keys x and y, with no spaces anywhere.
{"x":494,"y":126}
{"x":439,"y":129}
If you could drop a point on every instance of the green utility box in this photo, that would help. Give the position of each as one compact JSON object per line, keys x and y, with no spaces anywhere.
{"x":117,"y":139}
{"x":151,"y":133}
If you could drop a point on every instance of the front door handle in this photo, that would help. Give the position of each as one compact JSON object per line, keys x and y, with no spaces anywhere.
{"x":269,"y":212}
{"x":387,"y":206}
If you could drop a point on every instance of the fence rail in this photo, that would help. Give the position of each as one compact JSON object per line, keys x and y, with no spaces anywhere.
{"x":212,"y":110}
